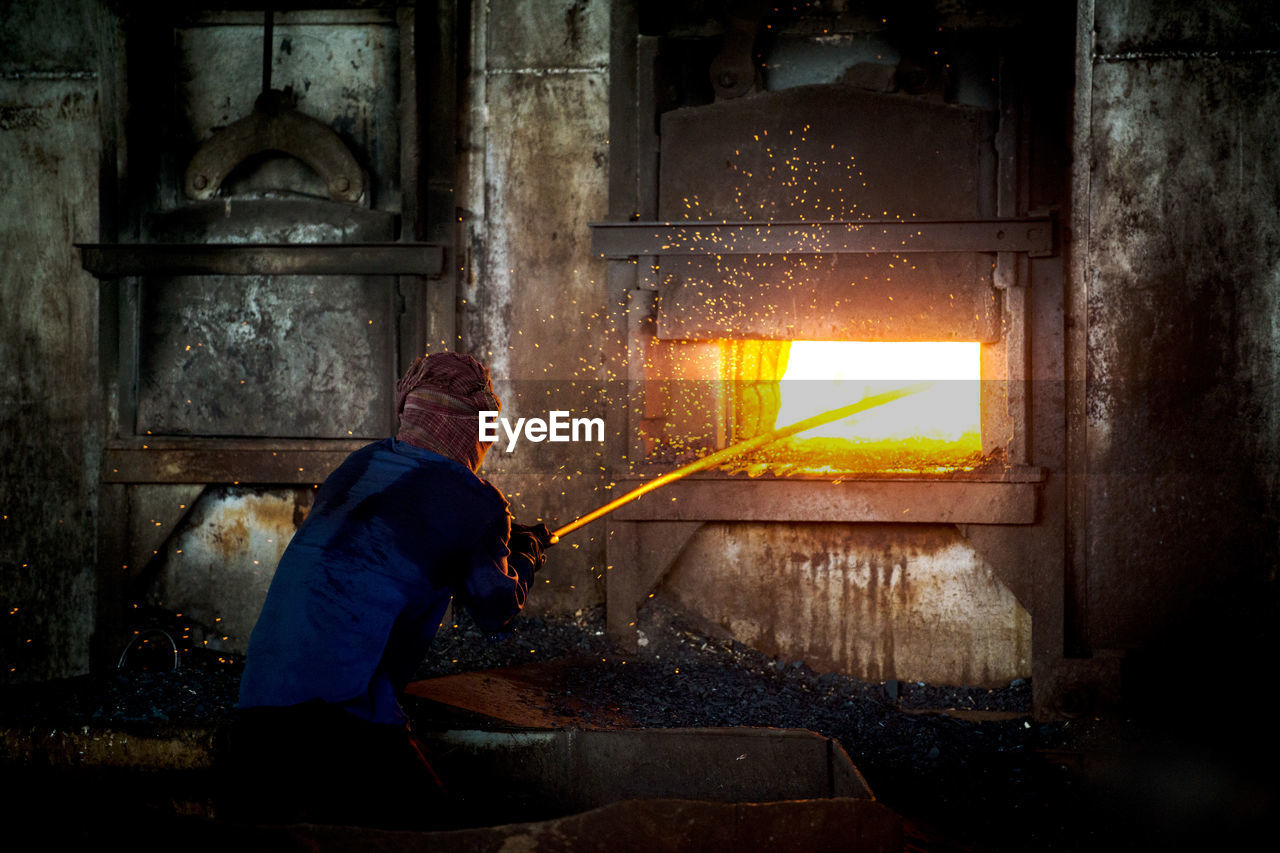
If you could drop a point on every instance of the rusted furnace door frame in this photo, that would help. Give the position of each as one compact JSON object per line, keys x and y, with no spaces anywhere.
{"x":1016,"y":521}
{"x":420,"y":263}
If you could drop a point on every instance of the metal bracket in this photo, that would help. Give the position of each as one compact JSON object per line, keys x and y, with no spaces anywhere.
{"x":1034,"y":236}
{"x":733,"y":71}
{"x":275,"y":125}
{"x":112,"y":260}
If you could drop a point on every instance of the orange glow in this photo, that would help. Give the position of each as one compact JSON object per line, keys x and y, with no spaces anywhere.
{"x":939,"y":427}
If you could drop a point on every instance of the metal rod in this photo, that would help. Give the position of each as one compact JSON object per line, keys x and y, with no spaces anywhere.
{"x":740,"y":449}
{"x":268,"y":37}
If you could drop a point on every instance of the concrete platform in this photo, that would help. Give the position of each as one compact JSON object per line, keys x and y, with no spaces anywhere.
{"x":628,"y":789}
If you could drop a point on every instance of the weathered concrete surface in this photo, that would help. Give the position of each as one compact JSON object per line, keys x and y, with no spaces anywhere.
{"x":218,"y":566}
{"x":544,"y":36}
{"x":263,"y":355}
{"x":534,"y":305}
{"x":172,"y":748}
{"x":1183,"y":278}
{"x":49,"y":434}
{"x":1124,"y":26}
{"x":48,"y":37}
{"x":877,"y":601}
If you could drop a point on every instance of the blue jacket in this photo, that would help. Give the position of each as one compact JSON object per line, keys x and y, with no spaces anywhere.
{"x":394,"y":533}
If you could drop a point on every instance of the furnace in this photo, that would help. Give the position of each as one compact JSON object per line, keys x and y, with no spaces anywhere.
{"x":798,"y":243}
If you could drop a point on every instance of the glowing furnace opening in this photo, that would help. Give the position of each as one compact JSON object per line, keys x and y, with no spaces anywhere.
{"x":823,"y":374}
{"x":939,"y":428}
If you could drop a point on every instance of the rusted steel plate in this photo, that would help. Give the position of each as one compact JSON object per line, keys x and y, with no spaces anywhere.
{"x":184,"y":465}
{"x":829,"y":213}
{"x":537,"y":696}
{"x":830,"y":297}
{"x":629,"y":239}
{"x":267,"y":354}
{"x":948,"y":502}
{"x":827,"y":153}
{"x":107,"y":260}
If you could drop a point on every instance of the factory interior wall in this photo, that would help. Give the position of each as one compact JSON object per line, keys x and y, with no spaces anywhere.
{"x":49,"y":394}
{"x":1173,"y":315}
{"x":1177,"y":329}
{"x":535,"y":165}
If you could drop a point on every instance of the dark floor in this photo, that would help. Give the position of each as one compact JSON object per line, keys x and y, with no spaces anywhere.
{"x":968,"y":769}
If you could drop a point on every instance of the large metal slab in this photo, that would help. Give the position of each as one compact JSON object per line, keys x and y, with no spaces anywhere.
{"x":268,"y":355}
{"x":830,"y":154}
{"x":944,"y":501}
{"x":830,"y":297}
{"x":534,"y":696}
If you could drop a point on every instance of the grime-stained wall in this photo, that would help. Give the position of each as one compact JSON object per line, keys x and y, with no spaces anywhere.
{"x":876,"y":600}
{"x":533,"y":297}
{"x":49,"y":409}
{"x":1178,"y":266}
{"x":220,"y":561}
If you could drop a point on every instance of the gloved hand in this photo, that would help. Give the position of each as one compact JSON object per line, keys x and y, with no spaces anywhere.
{"x":531,"y":540}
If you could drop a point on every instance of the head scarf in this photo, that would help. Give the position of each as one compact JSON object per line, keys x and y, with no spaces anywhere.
{"x":438,"y":400}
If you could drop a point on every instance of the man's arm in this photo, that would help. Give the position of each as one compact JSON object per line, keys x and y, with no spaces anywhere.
{"x":501,"y":568}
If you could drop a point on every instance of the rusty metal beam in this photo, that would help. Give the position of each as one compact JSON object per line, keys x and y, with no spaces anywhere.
{"x":111,"y":260}
{"x":230,"y":464}
{"x":1034,"y":236}
{"x":792,"y":501}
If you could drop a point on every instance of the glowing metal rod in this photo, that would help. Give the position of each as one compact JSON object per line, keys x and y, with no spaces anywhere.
{"x":740,"y":449}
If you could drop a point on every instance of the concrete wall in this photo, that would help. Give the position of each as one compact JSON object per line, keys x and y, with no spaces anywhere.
{"x":1178,"y":267}
{"x":533,"y":301}
{"x":874,"y":600}
{"x":49,"y":427}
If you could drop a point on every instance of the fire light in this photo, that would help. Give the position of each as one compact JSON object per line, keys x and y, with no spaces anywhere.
{"x":821,"y":374}
{"x":939,"y":428}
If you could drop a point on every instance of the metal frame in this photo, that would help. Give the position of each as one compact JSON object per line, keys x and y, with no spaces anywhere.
{"x":950,"y":501}
{"x":1035,"y":236}
{"x":114,"y":260}
{"x":1011,"y":514}
{"x":425,"y":286}
{"x":156,"y":479}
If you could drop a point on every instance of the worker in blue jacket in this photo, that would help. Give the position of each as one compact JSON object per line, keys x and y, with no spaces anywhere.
{"x":401,"y":528}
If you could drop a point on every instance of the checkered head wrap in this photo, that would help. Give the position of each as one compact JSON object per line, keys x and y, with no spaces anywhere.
{"x":439,"y":399}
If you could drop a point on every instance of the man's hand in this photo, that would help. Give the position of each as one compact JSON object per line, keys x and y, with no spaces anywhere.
{"x":531,"y":540}
{"x":537,"y":531}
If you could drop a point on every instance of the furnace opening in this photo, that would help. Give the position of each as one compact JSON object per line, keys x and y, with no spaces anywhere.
{"x":936,"y":430}
{"x":939,"y":427}
{"x":706,"y":395}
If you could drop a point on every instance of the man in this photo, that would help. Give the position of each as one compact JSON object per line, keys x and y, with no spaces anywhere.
{"x":399,"y":529}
